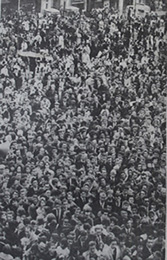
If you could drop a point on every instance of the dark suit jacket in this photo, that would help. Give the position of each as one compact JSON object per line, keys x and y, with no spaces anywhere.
{"x":96,"y":207}
{"x":146,"y":252}
{"x":80,"y":203}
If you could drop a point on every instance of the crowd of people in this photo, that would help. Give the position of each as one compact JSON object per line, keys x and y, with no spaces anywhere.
{"x":82,"y":137}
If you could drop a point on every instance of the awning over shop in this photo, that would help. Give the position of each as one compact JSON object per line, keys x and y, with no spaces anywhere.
{"x":52,"y":11}
{"x":73,"y":8}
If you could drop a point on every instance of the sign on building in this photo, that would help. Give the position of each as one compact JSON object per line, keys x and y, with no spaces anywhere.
{"x":77,"y":2}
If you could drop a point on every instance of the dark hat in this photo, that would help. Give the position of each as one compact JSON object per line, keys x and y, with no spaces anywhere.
{"x":92,"y":243}
{"x":40,"y":220}
{"x":50,"y":217}
{"x":142,"y":209}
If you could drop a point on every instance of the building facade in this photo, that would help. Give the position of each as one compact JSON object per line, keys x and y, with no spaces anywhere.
{"x":57,"y":4}
{"x":87,"y":5}
{"x":81,"y":4}
{"x":13,"y":5}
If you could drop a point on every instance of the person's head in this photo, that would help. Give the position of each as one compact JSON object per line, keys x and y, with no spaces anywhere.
{"x":92,"y":247}
{"x":125,"y":205}
{"x":77,"y":211}
{"x":35,"y":199}
{"x":52,"y":251}
{"x":129,"y":223}
{"x":159,"y":186}
{"x":131,"y":200}
{"x":87,"y":210}
{"x":142,"y":194}
{"x":98,"y":229}
{"x":23,"y":193}
{"x":110,"y":193}
{"x":65,"y":222}
{"x":124,"y":214}
{"x":157,"y":255}
{"x":103,"y":182}
{"x":146,"y":201}
{"x":34,"y":183}
{"x":102,"y":196}
{"x":161,"y":235}
{"x":122,"y":240}
{"x":41,"y":247}
{"x":125,"y":192}
{"x":42,"y":201}
{"x":70,"y":239}
{"x":150,"y":242}
{"x":64,"y":243}
{"x":103,"y":169}
{"x":64,"y":204}
{"x":109,"y":159}
{"x":83,"y":194}
{"x":61,"y":133}
{"x":48,"y":193}
{"x":27,"y":169}
{"x":105,"y":213}
{"x":83,"y":236}
{"x":140,"y":247}
{"x":10,"y":215}
{"x":114,"y":243}
{"x":7,"y":249}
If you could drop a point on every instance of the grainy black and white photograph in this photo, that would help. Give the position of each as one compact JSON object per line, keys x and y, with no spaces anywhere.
{"x":83,"y":129}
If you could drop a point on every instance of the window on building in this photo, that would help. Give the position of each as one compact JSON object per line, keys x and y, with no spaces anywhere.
{"x":56,"y":4}
{"x":46,"y":4}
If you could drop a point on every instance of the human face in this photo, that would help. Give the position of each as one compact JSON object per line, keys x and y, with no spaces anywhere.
{"x":109,"y":208}
{"x":42,"y":151}
{"x":87,"y":213}
{"x":142,"y":194}
{"x":124,"y":214}
{"x":112,"y":178}
{"x":109,"y":160}
{"x":35,"y":199}
{"x":35,"y":184}
{"x":110,"y":193}
{"x":42,"y":203}
{"x":92,"y":249}
{"x":113,"y":244}
{"x":129,"y":223}
{"x":141,"y":114}
{"x":9,"y":216}
{"x":18,"y":175}
{"x":77,"y":211}
{"x":103,"y":196}
{"x":52,"y":250}
{"x":15,"y":195}
{"x":140,"y":248}
{"x":131,"y":200}
{"x":103,"y":182}
{"x":159,"y":187}
{"x":83,"y":194}
{"x":23,"y":193}
{"x":64,"y":147}
{"x":28,"y":170}
{"x":61,"y":134}
{"x":153,"y":207}
{"x":150,"y":243}
{"x":65,"y":223}
{"x":42,"y":247}
{"x":98,"y":231}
